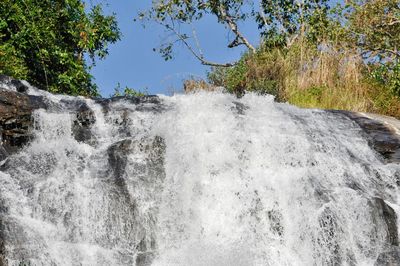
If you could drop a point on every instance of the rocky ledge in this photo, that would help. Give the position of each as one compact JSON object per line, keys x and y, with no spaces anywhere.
{"x":18,"y":102}
{"x":17,"y":106}
{"x":382,"y":132}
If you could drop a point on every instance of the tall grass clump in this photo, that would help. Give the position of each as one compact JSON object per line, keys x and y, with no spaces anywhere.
{"x":310,"y":76}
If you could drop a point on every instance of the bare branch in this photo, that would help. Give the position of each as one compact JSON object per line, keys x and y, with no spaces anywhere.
{"x":197,"y":42}
{"x":391,"y":23}
{"x":199,"y":56}
{"x":233,"y":25}
{"x":291,"y":40}
{"x":262,"y":14}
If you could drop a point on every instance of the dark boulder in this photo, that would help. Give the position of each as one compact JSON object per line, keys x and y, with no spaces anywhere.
{"x":152,"y":149}
{"x":143,"y":259}
{"x":380,"y":132}
{"x":147,"y":103}
{"x":2,"y":248}
{"x":144,"y":256}
{"x":146,"y":173}
{"x":383,"y":211}
{"x":81,"y":128}
{"x":117,"y":157}
{"x":389,"y":258}
{"x":16,"y":119}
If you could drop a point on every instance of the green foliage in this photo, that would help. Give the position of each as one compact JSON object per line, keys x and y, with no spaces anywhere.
{"x":374,"y":28}
{"x":282,"y":20}
{"x":46,"y":41}
{"x":258,"y":72}
{"x":307,"y":76}
{"x":118,"y":91}
{"x":388,"y":77}
{"x":279,"y":21}
{"x":171,"y":13}
{"x":235,"y":77}
{"x":313,"y":54}
{"x":311,"y":95}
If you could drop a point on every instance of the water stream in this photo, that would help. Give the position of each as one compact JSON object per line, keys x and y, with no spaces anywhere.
{"x":204,"y":179}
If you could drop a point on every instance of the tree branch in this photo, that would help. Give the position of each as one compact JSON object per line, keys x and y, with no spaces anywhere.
{"x":199,"y":56}
{"x":391,"y":23}
{"x":262,"y":14}
{"x":233,"y":25}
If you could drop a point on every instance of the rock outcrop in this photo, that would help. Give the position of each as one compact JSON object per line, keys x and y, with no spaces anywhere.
{"x":16,"y":109}
{"x":17,"y":106}
{"x":382,"y":132}
{"x":389,"y":258}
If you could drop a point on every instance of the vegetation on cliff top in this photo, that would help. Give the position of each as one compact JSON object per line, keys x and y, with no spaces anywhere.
{"x":312,"y":53}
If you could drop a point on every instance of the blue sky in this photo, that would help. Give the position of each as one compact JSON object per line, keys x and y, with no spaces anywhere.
{"x":133,"y":63}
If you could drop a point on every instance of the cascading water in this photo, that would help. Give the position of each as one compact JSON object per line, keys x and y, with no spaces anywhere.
{"x":203,"y":179}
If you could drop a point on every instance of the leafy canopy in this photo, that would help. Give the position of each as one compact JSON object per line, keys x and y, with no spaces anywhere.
{"x":47,"y":41}
{"x":279,"y":21}
{"x":369,"y":29}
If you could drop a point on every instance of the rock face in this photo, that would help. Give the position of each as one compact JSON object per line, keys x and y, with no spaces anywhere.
{"x":17,"y":106}
{"x":16,"y":121}
{"x":149,"y":172}
{"x":84,"y":119}
{"x":389,"y":216}
{"x":16,"y":116}
{"x":382,"y":133}
{"x":389,"y":258}
{"x":124,"y":229}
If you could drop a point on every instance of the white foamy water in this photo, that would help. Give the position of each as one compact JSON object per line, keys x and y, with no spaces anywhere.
{"x":203,"y":179}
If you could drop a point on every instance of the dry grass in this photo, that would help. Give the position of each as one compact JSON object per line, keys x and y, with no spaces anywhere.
{"x":323,"y":78}
{"x":194,"y":84}
{"x":327,"y":79}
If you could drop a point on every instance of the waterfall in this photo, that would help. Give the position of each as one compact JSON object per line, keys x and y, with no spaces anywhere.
{"x":202,"y":179}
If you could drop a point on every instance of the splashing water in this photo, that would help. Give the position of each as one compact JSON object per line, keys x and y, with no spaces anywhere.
{"x":203,"y":179}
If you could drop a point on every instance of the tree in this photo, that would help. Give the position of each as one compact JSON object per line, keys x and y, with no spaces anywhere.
{"x":171,"y":14}
{"x":373,"y":28}
{"x":284,"y":21}
{"x":46,"y":42}
{"x":280,"y":22}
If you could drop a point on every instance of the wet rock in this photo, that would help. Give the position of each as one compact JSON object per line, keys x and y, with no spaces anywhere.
{"x":389,"y":258}
{"x":240,"y":108}
{"x":144,"y":259}
{"x":145,"y":254}
{"x":383,"y":211}
{"x":16,"y":119}
{"x":82,"y":124}
{"x":26,"y":246}
{"x":16,"y":122}
{"x":148,"y":103}
{"x":19,"y":86}
{"x":380,"y":132}
{"x":117,"y":157}
{"x":145,"y":173}
{"x":2,"y":248}
{"x":152,"y":149}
